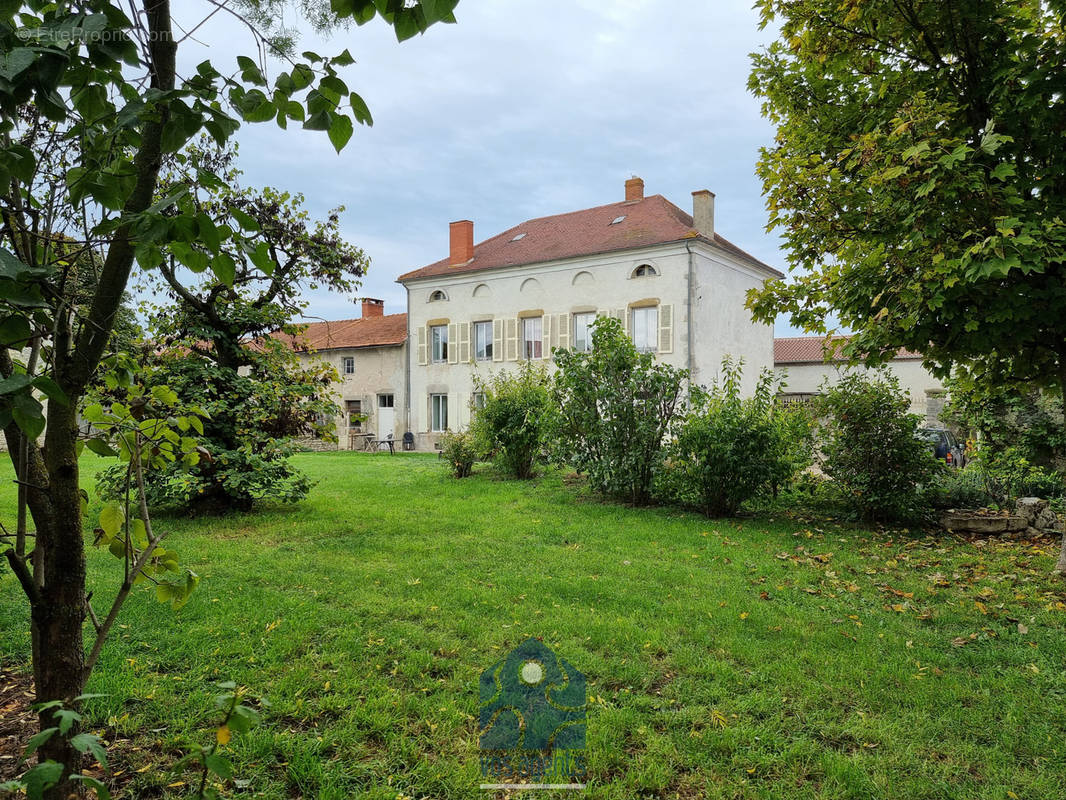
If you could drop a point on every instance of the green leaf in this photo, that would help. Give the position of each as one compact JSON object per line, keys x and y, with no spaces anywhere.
{"x":246,"y":221}
{"x":88,"y":743}
{"x":37,"y":740}
{"x":15,"y":383}
{"x":219,"y":765}
{"x":224,"y":268}
{"x":340,"y":131}
{"x":51,"y":390}
{"x":41,"y":778}
{"x":360,"y":109}
{"x":29,"y":416}
{"x":209,"y":235}
{"x":112,"y":516}
{"x":95,"y":784}
{"x":14,"y":62}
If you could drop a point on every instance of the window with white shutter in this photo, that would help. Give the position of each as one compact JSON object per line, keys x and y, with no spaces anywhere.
{"x":464,"y":342}
{"x":562,"y":331}
{"x":422,"y":358}
{"x":497,"y":340}
{"x":666,"y":329}
{"x":511,"y":339}
{"x":453,"y":338}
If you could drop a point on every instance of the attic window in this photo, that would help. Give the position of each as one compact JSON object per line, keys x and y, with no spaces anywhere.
{"x":645,"y":271}
{"x":518,"y":236}
{"x":616,"y":220}
{"x":437,"y":295}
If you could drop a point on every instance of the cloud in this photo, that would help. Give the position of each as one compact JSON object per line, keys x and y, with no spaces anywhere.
{"x":524,"y":108}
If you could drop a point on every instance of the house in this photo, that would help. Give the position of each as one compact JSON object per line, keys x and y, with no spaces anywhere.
{"x":805,"y":362}
{"x":675,"y":283}
{"x":370,"y":355}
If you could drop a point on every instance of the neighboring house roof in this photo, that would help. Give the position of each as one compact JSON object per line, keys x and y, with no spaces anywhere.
{"x":649,"y":221}
{"x":814,"y":350}
{"x":383,"y":331}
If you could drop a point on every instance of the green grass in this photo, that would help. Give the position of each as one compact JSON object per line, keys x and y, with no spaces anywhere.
{"x":367,"y":613}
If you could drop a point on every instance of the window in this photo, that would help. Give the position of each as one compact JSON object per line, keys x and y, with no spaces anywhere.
{"x":644,"y":328}
{"x":583,"y":332}
{"x":438,"y":340}
{"x":437,"y":295}
{"x":386,"y":401}
{"x":438,"y":407}
{"x":645,"y":271}
{"x":355,"y":414}
{"x":479,"y":400}
{"x":483,"y":341}
{"x":348,"y":365}
{"x":532,"y":339}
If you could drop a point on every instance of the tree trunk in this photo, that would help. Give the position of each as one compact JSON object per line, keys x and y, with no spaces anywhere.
{"x":1060,"y":567}
{"x":61,"y":610}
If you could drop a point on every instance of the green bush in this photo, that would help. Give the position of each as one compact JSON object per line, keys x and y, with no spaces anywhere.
{"x":616,"y":407}
{"x":728,"y":449}
{"x":461,"y":451}
{"x":1008,"y":475}
{"x":870,"y":447}
{"x":959,"y":488}
{"x":517,"y":418}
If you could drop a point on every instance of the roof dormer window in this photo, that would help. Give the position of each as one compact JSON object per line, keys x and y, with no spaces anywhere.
{"x":518,"y":236}
{"x":616,"y":220}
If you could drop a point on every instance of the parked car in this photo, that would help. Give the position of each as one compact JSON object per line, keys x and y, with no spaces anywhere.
{"x":945,"y":446}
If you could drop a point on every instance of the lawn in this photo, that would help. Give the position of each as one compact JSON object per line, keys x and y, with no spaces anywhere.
{"x":767,"y":658}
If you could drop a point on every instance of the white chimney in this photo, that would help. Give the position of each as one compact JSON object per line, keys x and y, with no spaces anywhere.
{"x":703,"y":212}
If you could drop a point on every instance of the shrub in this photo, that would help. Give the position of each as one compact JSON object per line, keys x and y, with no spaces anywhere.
{"x":616,"y":406}
{"x":1008,"y":475}
{"x":729,"y":449}
{"x":959,"y":488}
{"x":461,"y":451}
{"x":870,"y":447}
{"x":517,"y":418}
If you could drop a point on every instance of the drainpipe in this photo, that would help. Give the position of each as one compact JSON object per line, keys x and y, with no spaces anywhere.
{"x":688,"y":310}
{"x":407,"y":367}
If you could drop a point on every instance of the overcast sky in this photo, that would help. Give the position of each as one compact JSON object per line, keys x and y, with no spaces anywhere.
{"x":524,"y":108}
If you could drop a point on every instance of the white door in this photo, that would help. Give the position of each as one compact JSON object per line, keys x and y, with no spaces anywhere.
{"x":386,"y":416}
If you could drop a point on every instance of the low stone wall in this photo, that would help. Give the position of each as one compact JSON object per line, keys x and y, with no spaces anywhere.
{"x":1032,"y":516}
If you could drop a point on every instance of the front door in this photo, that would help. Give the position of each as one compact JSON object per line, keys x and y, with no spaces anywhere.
{"x":386,"y":416}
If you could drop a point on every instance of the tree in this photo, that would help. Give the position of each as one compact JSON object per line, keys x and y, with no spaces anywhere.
{"x":89,"y":78}
{"x":871,"y":449}
{"x":919,"y":180}
{"x":616,"y":407}
{"x":517,"y":417}
{"x":729,"y":449}
{"x":213,"y":343}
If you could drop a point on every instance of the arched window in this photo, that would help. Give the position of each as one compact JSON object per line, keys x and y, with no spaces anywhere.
{"x":645,"y":271}
{"x":436,"y":295}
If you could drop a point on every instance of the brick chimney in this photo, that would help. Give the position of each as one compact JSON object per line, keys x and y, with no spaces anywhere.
{"x":462,"y":242}
{"x":373,"y":307}
{"x":703,"y":213}
{"x":634,"y":189}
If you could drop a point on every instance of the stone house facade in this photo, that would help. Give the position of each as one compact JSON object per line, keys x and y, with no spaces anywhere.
{"x":370,"y":355}
{"x":677,"y":286}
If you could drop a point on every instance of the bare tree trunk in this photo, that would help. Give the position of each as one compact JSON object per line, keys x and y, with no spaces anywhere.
{"x":1060,"y":567}
{"x":60,"y":612}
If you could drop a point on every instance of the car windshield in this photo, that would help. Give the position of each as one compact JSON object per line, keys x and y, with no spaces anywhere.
{"x":930,"y":435}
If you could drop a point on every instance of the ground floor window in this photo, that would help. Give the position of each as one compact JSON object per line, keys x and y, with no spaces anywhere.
{"x":354,"y":409}
{"x":479,"y":400}
{"x":583,"y":331}
{"x":438,"y":406}
{"x":386,"y":401}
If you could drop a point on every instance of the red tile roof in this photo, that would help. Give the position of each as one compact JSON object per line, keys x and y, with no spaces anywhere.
{"x":652,"y":220}
{"x":813,"y":350}
{"x":344,"y":333}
